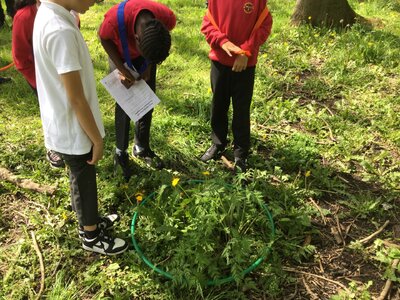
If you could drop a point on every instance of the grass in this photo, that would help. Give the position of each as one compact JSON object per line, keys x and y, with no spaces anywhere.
{"x":326,"y":151}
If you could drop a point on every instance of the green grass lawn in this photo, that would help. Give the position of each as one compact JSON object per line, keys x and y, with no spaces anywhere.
{"x":325,"y":159}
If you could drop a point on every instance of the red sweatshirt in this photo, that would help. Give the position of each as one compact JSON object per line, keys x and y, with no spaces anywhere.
{"x":22,"y":50}
{"x":109,"y":28}
{"x":236,"y":20}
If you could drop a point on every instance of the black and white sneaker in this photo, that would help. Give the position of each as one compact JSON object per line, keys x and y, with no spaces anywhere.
{"x":105,"y":223}
{"x":104,"y":244}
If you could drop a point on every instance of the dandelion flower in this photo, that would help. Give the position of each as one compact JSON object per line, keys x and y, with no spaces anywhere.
{"x":175,"y":182}
{"x":206,"y":173}
{"x":139,"y":197}
{"x":308,"y":173}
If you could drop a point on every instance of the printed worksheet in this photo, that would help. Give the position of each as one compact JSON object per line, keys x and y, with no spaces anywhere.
{"x":135,"y":101}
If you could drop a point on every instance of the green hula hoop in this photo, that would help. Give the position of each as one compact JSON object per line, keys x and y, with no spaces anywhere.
{"x":213,"y":282}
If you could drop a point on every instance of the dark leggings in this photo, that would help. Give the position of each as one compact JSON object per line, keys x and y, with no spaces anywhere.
{"x":122,"y":120}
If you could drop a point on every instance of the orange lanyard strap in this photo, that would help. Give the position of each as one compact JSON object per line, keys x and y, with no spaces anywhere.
{"x":260,"y":19}
{"x":6,"y":67}
{"x":212,"y":20}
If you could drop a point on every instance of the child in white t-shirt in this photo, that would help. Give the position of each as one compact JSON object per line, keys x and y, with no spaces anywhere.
{"x":70,"y":113}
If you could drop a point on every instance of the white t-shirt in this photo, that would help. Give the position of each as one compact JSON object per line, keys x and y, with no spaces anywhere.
{"x":59,"y":48}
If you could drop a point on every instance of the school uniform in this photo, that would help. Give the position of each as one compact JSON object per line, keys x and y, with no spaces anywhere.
{"x":109,"y":31}
{"x":235,"y":21}
{"x":22,"y":51}
{"x":59,"y":48}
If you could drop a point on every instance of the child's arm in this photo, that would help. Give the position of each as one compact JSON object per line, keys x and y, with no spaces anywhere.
{"x":112,"y":51}
{"x":73,"y":86}
{"x":216,"y":38}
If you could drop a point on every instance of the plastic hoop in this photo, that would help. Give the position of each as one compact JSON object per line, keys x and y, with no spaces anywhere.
{"x":213,"y":282}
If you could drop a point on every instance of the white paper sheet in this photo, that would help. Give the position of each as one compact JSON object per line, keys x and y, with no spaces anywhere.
{"x":135,"y":101}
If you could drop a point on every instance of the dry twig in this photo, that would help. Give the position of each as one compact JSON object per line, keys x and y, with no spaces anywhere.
{"x":340,"y":230}
{"x":227,"y":163}
{"x":308,"y":289}
{"x":319,"y":209}
{"x":26,"y":183}
{"x":317,"y":276}
{"x":39,"y":254}
{"x":371,"y":236}
{"x":391,"y":245}
{"x":388,"y":283}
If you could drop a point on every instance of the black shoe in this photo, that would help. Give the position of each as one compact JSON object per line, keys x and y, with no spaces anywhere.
{"x":212,"y":153}
{"x":104,"y":244}
{"x":4,"y":79}
{"x":123,"y":161}
{"x":240,"y":164}
{"x":105,"y":223}
{"x":55,"y":159}
{"x":149,"y":157}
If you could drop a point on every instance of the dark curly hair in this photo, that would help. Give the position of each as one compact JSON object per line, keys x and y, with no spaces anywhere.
{"x":155,"y":41}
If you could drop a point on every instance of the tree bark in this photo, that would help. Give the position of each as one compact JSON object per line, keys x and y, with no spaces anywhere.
{"x":330,"y":13}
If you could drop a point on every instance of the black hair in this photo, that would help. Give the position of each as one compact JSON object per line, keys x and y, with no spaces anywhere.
{"x":155,"y":41}
{"x":22,"y":3}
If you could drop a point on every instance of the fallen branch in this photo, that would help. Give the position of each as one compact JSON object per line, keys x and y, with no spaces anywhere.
{"x":39,"y":254}
{"x":390,"y":245}
{"x":26,"y":183}
{"x":317,"y":276}
{"x":319,"y":209}
{"x":308,"y":289}
{"x":227,"y":163}
{"x":340,"y":230}
{"x":388,"y":283}
{"x":371,"y":236}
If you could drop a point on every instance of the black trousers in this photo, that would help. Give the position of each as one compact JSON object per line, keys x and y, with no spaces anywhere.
{"x":83,"y":188}
{"x":10,"y":11}
{"x":122,"y":120}
{"x":238,"y":86}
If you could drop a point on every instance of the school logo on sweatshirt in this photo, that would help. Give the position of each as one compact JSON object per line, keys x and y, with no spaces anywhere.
{"x":248,"y":7}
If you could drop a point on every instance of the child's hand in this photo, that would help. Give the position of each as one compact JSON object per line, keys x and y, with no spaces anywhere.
{"x":127,"y":78}
{"x":240,"y":63}
{"x":230,"y":48}
{"x":97,"y":153}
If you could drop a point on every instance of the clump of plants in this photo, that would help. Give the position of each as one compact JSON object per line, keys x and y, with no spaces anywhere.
{"x":203,"y":232}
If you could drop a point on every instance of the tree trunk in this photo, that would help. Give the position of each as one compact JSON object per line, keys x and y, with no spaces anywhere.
{"x":330,"y":13}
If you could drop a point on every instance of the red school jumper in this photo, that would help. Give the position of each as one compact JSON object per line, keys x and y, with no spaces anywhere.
{"x":236,"y":20}
{"x":22,"y":49}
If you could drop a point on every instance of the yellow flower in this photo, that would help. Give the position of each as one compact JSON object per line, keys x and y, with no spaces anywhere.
{"x":64,"y":216}
{"x":309,"y":17}
{"x":308,"y":173}
{"x":206,"y":173}
{"x":139,"y":197}
{"x":175,"y":181}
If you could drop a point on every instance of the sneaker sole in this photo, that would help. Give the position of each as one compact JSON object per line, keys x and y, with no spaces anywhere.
{"x":101,"y":251}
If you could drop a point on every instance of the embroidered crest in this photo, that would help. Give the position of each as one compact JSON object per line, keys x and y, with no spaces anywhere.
{"x":248,"y":7}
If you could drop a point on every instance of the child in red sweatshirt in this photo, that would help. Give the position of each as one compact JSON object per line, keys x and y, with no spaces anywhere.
{"x":235,"y":31}
{"x":136,"y":32}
